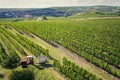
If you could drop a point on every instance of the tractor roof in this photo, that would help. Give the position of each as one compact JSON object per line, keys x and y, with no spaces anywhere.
{"x":29,"y":56}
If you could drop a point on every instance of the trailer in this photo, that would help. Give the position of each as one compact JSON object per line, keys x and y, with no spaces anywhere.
{"x":42,"y":60}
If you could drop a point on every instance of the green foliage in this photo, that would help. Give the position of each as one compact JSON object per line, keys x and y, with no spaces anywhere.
{"x":11,"y":61}
{"x":118,"y":13}
{"x":57,"y":64}
{"x":2,"y":53}
{"x":95,"y":40}
{"x":74,"y":72}
{"x":93,"y":14}
{"x":44,"y":17}
{"x":8,"y":61}
{"x":14,"y":43}
{"x":34,"y":48}
{"x":25,"y":74}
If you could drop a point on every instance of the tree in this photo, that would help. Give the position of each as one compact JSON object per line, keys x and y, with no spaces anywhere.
{"x":24,"y":74}
{"x":44,"y":18}
{"x":118,"y":13}
{"x":11,"y":61}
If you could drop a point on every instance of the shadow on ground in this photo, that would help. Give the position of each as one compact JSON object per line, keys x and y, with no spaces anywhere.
{"x":43,"y":66}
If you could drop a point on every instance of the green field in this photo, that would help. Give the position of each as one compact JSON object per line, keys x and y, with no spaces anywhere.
{"x":96,"y":43}
{"x":0,"y":78}
{"x":93,"y":14}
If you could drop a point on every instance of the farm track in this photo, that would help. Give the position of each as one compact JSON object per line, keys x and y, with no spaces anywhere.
{"x":5,"y":72}
{"x":63,"y":52}
{"x":56,"y":74}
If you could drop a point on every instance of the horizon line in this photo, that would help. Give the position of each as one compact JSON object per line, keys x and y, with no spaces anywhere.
{"x":56,"y":6}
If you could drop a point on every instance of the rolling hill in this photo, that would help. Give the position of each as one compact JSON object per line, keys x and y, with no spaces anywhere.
{"x":57,"y":11}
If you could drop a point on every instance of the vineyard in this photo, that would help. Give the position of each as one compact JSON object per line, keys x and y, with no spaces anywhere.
{"x":97,"y":41}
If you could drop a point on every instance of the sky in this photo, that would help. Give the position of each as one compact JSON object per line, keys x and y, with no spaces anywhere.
{"x":54,"y":3}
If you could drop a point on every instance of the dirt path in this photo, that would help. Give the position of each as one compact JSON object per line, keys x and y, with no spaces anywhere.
{"x":5,"y":72}
{"x":60,"y":52}
{"x":55,"y":73}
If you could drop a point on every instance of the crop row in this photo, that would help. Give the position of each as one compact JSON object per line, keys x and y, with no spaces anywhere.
{"x":96,"y":40}
{"x":34,"y":48}
{"x":74,"y":72}
{"x":14,"y":43}
{"x":12,"y":59}
{"x":2,"y":53}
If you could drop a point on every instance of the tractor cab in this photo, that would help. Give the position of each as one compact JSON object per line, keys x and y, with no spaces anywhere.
{"x":29,"y":60}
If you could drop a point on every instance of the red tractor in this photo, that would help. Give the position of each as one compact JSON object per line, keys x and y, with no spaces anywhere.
{"x":26,"y":62}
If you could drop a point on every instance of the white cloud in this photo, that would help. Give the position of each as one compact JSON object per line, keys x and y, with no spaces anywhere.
{"x":50,"y":3}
